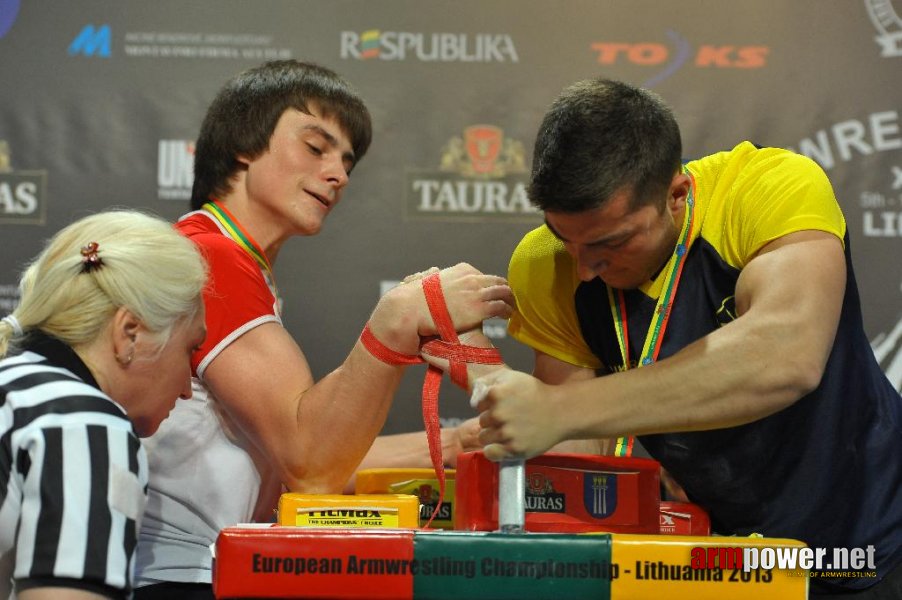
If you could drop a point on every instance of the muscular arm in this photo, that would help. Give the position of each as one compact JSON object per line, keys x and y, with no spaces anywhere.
{"x":553,"y":371}
{"x":315,"y":434}
{"x":788,"y":299}
{"x":547,"y":369}
{"x":411,"y":450}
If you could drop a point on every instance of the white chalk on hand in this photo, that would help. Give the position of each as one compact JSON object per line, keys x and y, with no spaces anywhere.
{"x":480,"y":391}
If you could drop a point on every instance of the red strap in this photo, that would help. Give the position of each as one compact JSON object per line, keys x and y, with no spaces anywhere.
{"x":383,"y":352}
{"x":450,"y":348}
{"x":435,"y":300}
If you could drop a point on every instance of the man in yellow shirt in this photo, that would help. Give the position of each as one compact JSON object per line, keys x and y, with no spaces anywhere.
{"x":709,"y":308}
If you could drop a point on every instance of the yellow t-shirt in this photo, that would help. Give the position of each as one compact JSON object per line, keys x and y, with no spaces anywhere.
{"x":744,"y":198}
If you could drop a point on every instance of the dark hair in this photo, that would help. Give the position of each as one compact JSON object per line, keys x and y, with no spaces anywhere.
{"x":599,"y":137}
{"x":241,"y":119}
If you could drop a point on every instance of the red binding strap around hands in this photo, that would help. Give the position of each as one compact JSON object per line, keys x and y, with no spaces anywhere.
{"x":383,"y":352}
{"x":448,"y":347}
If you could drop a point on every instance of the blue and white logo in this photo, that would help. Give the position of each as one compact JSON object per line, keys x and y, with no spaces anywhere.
{"x":600,"y":494}
{"x":9,"y":10}
{"x":92,"y":41}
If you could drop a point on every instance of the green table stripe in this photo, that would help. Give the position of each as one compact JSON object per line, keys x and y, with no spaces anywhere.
{"x":484,"y":566}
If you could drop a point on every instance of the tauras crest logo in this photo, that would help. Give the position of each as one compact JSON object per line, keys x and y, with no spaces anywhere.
{"x":481,"y":175}
{"x":888,"y":25}
{"x":428,"y":496}
{"x":21,"y":192}
{"x":541,"y":496}
{"x":483,"y":151}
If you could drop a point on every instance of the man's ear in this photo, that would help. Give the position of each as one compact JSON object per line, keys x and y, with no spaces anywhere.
{"x":679,"y":192}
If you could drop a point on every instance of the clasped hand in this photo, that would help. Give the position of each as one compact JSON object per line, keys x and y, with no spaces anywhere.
{"x":471,"y":297}
{"x":519,"y":415}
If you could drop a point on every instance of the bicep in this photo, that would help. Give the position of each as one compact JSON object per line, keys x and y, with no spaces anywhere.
{"x":796,"y":284}
{"x":554,"y":371}
{"x":257,"y":379}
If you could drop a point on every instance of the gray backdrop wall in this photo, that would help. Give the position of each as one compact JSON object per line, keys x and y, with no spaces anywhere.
{"x":100,"y":101}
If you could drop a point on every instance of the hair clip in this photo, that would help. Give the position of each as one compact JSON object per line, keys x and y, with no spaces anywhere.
{"x":14,"y":325}
{"x":90,"y":260}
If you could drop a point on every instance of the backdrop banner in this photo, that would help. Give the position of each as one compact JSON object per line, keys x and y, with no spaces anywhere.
{"x":101,"y":102}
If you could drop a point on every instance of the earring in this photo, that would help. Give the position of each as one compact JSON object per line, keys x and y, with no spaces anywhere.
{"x":128,"y":359}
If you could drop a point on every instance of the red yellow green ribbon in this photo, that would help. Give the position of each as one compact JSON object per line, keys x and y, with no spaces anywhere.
{"x":237,"y":233}
{"x":661,"y":316}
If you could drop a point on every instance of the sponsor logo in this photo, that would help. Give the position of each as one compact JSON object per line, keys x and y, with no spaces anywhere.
{"x":352,"y":514}
{"x":666,"y":58}
{"x":541,"y":496}
{"x":870,"y":138}
{"x":92,"y":41}
{"x":600,"y":494}
{"x":428,"y":47}
{"x":22,"y":193}
{"x":888,"y":26}
{"x":848,"y":140}
{"x":481,"y":176}
{"x":427,"y":493}
{"x":175,"y":169}
{"x":207,"y":45}
{"x":9,"y":10}
{"x":727,"y":312}
{"x":802,"y":562}
{"x":445,"y":511}
{"x":428,"y":496}
{"x":667,"y":524}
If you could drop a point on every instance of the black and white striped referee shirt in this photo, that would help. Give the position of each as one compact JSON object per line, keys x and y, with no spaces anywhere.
{"x":73,"y":476}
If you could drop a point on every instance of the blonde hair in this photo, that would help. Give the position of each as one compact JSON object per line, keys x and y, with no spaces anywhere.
{"x":146,"y":266}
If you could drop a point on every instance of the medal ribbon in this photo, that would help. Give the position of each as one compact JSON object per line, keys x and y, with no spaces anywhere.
{"x":237,"y":233}
{"x":661,"y":316}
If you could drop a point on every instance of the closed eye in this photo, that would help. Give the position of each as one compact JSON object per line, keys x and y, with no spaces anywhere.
{"x":612,"y":244}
